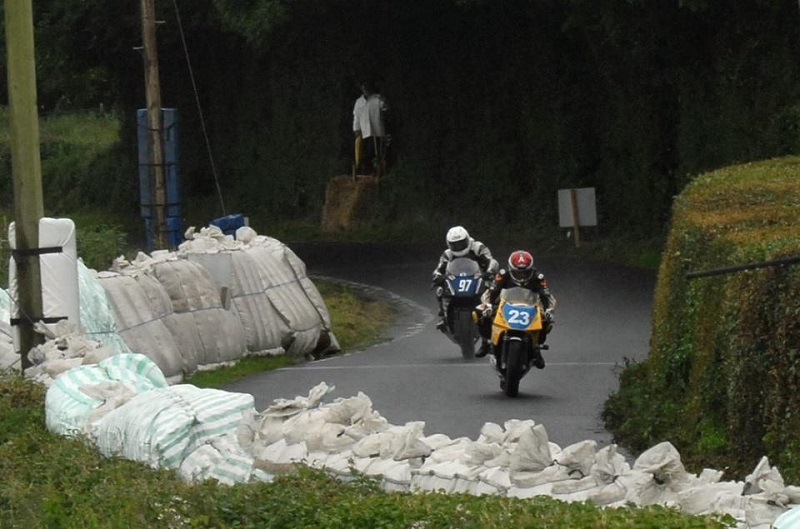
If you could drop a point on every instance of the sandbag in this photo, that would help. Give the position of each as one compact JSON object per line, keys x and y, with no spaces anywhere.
{"x":138,"y":323}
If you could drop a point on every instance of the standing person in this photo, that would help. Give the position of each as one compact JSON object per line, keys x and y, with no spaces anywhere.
{"x":369,"y":127}
{"x":460,"y":244}
{"x":522,"y":273}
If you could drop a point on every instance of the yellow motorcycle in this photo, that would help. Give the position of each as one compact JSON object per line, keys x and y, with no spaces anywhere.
{"x":516,"y":327}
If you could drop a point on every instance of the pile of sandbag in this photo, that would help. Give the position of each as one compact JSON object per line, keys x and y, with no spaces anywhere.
{"x":204,"y":433}
{"x":210,"y":303}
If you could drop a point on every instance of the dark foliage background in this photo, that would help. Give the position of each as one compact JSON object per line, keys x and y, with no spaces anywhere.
{"x":495,"y":105}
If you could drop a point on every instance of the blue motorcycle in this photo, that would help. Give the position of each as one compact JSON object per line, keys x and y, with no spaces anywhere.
{"x":461,"y":292}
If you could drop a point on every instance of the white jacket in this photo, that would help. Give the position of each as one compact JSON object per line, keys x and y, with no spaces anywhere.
{"x":368,"y":116}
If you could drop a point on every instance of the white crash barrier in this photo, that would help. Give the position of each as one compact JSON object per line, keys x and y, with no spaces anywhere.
{"x":59,"y":277}
{"x":97,"y":316}
{"x":126,"y":408}
{"x":163,"y":295}
{"x":788,"y":520}
{"x":277,"y":304}
{"x":141,"y":309}
{"x":9,"y":359}
{"x":187,"y":312}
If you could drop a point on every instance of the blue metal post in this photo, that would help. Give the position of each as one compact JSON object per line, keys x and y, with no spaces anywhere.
{"x":170,"y":130}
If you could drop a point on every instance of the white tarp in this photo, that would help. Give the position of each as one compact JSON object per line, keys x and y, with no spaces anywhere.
{"x":202,"y":324}
{"x":97,"y":317}
{"x":76,"y":395}
{"x":278,"y":306}
{"x":140,"y":321}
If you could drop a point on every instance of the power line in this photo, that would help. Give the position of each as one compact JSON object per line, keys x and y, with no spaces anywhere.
{"x":199,"y":108}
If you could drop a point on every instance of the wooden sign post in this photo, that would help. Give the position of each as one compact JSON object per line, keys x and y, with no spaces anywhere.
{"x":576,"y":208}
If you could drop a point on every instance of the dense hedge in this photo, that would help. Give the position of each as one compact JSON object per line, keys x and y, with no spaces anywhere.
{"x":722,"y":380}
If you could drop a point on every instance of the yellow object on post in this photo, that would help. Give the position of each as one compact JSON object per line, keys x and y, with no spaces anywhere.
{"x":358,"y":156}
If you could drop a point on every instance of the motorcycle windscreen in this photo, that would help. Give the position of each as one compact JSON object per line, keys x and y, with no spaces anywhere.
{"x":519,"y":310}
{"x":464,"y":277}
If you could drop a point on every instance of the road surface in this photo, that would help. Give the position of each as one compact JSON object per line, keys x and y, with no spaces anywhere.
{"x":603,"y":317}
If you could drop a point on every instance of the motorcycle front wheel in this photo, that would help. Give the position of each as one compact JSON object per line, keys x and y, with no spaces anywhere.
{"x":514,"y":367}
{"x":466,"y":332}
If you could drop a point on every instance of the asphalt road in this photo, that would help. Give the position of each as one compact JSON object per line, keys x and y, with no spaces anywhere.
{"x":603,"y":317}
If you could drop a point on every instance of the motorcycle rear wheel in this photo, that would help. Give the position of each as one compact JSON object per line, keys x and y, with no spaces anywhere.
{"x":466,"y":333}
{"x":514,"y":367}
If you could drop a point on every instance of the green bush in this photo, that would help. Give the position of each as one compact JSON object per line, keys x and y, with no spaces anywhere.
{"x":721,"y":381}
{"x":99,"y":244}
{"x":83,"y":165}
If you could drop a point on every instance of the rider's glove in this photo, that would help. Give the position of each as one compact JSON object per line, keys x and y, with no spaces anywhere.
{"x":438,"y":278}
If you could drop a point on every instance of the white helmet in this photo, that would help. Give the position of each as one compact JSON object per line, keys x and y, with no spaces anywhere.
{"x":458,"y":241}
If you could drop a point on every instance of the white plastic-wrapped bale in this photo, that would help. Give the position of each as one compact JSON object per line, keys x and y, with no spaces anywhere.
{"x":165,"y":426}
{"x":58,"y":271}
{"x":279,"y":307}
{"x":284,"y":287}
{"x":196,"y":302}
{"x":142,"y":328}
{"x":8,"y":355}
{"x":263,"y":326}
{"x":314,"y":297}
{"x":97,"y":316}
{"x":69,"y":404}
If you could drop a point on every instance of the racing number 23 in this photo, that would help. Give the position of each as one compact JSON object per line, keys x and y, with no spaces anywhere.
{"x":519,"y":317}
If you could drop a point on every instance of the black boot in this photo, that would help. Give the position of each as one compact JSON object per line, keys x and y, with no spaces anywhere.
{"x":442,"y":323}
{"x":484,"y":349}
{"x":538,"y":359}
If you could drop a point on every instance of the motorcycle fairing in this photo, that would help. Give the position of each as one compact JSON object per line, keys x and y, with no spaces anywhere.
{"x":518,"y":311}
{"x":464,"y":278}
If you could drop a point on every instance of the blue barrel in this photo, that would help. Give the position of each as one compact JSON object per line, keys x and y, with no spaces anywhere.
{"x":169,"y":136}
{"x":229,"y":223}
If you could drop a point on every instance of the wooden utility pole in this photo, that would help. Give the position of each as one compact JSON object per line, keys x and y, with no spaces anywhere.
{"x":26,"y":168}
{"x":573,"y":199}
{"x":158,"y":196}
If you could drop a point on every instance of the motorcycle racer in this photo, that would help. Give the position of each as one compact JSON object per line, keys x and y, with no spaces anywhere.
{"x":522,"y":273}
{"x":460,"y":244}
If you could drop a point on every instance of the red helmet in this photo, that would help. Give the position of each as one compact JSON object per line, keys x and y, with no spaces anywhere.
{"x":520,"y":266}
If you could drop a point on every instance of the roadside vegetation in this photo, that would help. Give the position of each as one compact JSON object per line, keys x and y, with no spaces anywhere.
{"x":721,"y":381}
